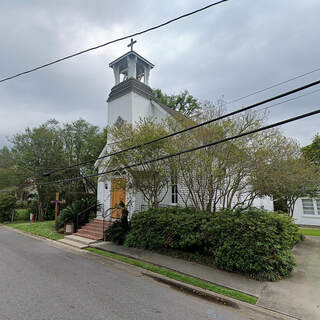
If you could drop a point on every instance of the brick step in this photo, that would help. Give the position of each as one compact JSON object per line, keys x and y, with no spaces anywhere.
{"x":96,"y":223}
{"x":99,"y":224}
{"x":89,"y":232}
{"x":94,"y":228}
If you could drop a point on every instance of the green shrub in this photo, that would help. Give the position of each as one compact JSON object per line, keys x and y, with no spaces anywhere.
{"x":69,"y":214}
{"x":173,"y":228}
{"x":253,"y":241}
{"x":117,"y":231}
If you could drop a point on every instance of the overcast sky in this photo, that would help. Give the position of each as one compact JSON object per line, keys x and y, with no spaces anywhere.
{"x":229,"y":50}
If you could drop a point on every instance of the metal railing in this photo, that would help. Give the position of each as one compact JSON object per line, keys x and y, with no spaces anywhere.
{"x":78,"y":222}
{"x":104,"y":215}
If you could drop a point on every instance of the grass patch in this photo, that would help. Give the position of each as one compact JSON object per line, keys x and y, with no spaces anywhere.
{"x":178,"y":276}
{"x":310,"y":232}
{"x":44,"y":229}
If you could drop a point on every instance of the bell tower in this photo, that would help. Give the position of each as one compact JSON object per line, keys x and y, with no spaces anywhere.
{"x":131,"y":65}
{"x":130,"y":97}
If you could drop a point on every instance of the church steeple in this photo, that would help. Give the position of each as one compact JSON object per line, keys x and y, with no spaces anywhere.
{"x":131,"y":65}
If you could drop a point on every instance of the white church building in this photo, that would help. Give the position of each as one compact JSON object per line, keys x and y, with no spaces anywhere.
{"x":132,"y":98}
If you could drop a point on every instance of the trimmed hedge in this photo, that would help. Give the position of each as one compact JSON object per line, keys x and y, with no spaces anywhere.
{"x":254,"y":241}
{"x":173,"y":228}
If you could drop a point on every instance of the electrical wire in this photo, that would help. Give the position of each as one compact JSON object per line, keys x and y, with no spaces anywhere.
{"x":305,"y":115}
{"x":110,"y":42}
{"x":284,"y":94}
{"x":273,"y":86}
{"x":282,"y":102}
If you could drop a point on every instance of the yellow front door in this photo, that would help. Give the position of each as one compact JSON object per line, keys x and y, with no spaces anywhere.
{"x":118,"y":193}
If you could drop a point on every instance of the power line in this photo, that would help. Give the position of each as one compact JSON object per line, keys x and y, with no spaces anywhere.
{"x":305,"y":115}
{"x":115,"y":142}
{"x":110,"y":42}
{"x":285,"y":101}
{"x":273,"y":86}
{"x":191,"y":128}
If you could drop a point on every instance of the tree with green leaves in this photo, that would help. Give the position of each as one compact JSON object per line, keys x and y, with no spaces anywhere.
{"x":282,"y":174}
{"x":82,"y":142}
{"x":312,"y":151}
{"x":183,"y":102}
{"x":10,"y":175}
{"x":52,"y":145}
{"x":36,"y":151}
{"x":151,"y":179}
{"x":8,"y":204}
{"x":218,"y":177}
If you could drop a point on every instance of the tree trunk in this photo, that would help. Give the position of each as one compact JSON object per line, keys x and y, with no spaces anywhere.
{"x":40,"y":211}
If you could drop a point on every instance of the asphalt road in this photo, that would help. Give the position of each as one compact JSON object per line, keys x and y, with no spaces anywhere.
{"x":39,"y":281}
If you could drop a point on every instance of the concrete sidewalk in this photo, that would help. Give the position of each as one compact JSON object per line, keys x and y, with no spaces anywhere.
{"x":297,"y":296}
{"x":210,"y":274}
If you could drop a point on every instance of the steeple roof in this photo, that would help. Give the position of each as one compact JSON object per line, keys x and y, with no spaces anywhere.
{"x":111,"y":64}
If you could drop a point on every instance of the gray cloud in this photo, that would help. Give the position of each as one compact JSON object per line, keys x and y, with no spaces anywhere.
{"x":229,"y":50}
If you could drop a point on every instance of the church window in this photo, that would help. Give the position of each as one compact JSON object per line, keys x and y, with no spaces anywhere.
{"x":174,"y":189}
{"x":119,"y":122}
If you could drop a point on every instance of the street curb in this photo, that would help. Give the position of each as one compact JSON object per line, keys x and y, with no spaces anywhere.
{"x":216,"y":297}
{"x":206,"y":294}
{"x":174,"y":270}
{"x":202,"y":293}
{"x":196,"y":291}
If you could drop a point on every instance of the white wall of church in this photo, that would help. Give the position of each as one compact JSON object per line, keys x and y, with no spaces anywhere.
{"x":157,"y":112}
{"x":140,"y":107}
{"x":103,"y":196}
{"x":122,"y":107}
{"x":263,"y":203}
{"x":131,"y":107}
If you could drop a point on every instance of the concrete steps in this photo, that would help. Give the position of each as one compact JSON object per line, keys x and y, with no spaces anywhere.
{"x":86,"y":241}
{"x":72,"y":243}
{"x":77,"y":242}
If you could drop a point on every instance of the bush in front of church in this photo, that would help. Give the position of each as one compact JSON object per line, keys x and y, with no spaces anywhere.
{"x":118,"y":231}
{"x":252,"y":241}
{"x":168,"y":228}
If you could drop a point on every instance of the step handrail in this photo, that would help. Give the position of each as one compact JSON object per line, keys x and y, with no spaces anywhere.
{"x":103,"y":217}
{"x":80,"y":213}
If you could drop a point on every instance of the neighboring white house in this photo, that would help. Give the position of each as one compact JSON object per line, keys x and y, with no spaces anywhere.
{"x":131,"y":99}
{"x":307,"y":212}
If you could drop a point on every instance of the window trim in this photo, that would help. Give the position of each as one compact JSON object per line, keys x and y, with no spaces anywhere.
{"x":315,"y":208}
{"x":174,"y":190}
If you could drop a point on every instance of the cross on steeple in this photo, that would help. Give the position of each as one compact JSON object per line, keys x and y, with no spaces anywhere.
{"x":131,"y":44}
